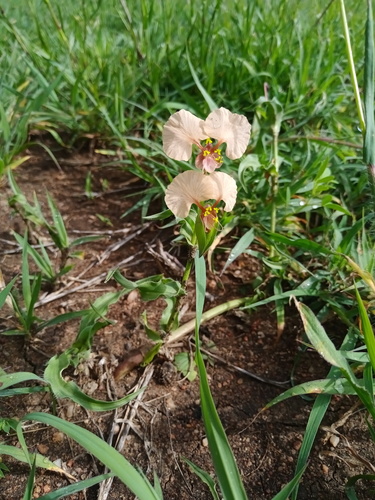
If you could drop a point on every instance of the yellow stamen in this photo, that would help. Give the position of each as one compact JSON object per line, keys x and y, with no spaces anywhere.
{"x":208,"y":141}
{"x":206,"y":152}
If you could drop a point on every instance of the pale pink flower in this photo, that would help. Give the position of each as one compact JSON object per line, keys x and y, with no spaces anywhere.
{"x":183,"y":129}
{"x":194,"y":187}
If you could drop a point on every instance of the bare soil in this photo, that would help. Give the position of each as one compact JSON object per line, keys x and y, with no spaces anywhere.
{"x":165,"y":426}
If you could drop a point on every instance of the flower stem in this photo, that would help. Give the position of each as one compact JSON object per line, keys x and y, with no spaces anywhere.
{"x":175,"y":311}
{"x":352,"y":68}
{"x":274,"y":182}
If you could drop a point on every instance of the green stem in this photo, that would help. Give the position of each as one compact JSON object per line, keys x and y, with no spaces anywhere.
{"x":188,"y":327}
{"x":176,"y":308}
{"x":274,"y":182}
{"x":353,"y":75}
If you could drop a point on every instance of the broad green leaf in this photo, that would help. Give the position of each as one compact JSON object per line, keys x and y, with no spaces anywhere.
{"x":63,"y":389}
{"x":150,"y":288}
{"x":91,"y":323}
{"x":185,"y":365}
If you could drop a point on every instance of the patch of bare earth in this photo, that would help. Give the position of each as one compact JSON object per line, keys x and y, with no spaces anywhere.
{"x":164,"y":425}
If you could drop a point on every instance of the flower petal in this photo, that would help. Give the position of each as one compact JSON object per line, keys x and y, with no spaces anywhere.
{"x":207,"y":163}
{"x":185,"y":189}
{"x":223,"y":187}
{"x":181,"y":131}
{"x":234,"y":129}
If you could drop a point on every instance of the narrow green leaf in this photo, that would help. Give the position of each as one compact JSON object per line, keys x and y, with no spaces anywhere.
{"x":204,"y":477}
{"x":5,"y":291}
{"x":224,"y":462}
{"x":325,"y":347}
{"x":323,"y":386}
{"x":75,"y":487}
{"x":289,"y":488}
{"x":63,"y":240}
{"x":159,"y":216}
{"x":241,"y":245}
{"x":28,"y":494}
{"x":210,"y":102}
{"x":369,"y":133}
{"x":367,"y":330}
{"x":26,"y":287}
{"x":85,"y":239}
{"x":279,"y":306}
{"x":103,"y":452}
{"x":317,"y":413}
{"x":19,"y":454}
{"x":350,"y":485}
{"x":9,"y":379}
{"x":369,"y":139}
{"x":43,"y":263}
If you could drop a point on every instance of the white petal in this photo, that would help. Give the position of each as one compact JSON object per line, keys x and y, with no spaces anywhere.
{"x":223,"y":188}
{"x":234,"y":129}
{"x":181,"y":131}
{"x":185,"y":189}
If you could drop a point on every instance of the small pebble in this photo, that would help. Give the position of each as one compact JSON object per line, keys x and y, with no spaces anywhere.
{"x":334,"y":440}
{"x":57,"y":437}
{"x":42,"y":448}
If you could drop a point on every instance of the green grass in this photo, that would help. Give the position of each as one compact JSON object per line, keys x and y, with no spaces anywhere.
{"x":116,"y":70}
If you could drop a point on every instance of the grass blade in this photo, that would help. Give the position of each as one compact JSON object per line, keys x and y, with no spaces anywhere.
{"x":204,"y":477}
{"x":28,"y":495}
{"x":110,"y":457}
{"x":289,"y":488}
{"x":317,"y":413}
{"x":239,"y":247}
{"x":18,"y":454}
{"x":367,"y":330}
{"x":210,"y":102}
{"x":325,"y":347}
{"x":5,"y":291}
{"x":224,"y":462}
{"x":75,"y":488}
{"x":10,"y":379}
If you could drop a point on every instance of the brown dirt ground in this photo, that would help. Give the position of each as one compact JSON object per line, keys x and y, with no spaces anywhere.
{"x":166,"y":425}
